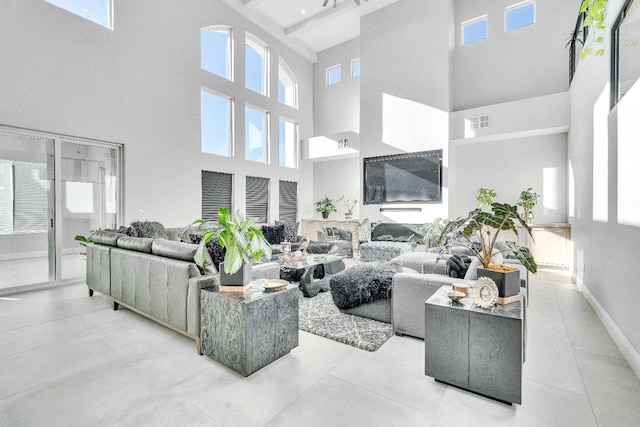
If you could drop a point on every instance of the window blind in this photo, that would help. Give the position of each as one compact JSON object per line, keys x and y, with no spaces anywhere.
{"x":6,"y":197}
{"x":30,"y":205}
{"x":258,"y":198}
{"x":288,"y":201}
{"x":217,"y":190}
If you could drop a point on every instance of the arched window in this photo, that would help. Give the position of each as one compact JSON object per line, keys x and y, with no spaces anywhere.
{"x":216,"y":51}
{"x":256,"y":65}
{"x":287,"y":86}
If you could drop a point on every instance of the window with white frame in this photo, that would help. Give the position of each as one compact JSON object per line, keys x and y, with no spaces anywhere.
{"x":98,"y":11}
{"x":334,"y":74}
{"x":216,"y":117}
{"x":519,"y":15}
{"x":474,"y":30}
{"x":256,"y":134}
{"x":256,"y":65}
{"x":287,"y":143}
{"x":355,"y":68}
{"x":287,"y":86}
{"x":216,"y":54}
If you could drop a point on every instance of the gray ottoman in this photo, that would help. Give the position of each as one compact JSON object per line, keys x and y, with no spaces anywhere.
{"x":382,"y":251}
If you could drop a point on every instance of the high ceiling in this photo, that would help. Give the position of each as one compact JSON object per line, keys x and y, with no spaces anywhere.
{"x":306,"y":25}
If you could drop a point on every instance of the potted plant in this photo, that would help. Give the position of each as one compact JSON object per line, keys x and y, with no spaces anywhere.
{"x":485,"y":196}
{"x":528,"y":199}
{"x":432,"y":230}
{"x":243,"y":242}
{"x":479,"y":232}
{"x":325,"y":206}
{"x":349,"y":205}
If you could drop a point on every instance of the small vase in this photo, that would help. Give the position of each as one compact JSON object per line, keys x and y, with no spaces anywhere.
{"x":325,"y":215}
{"x":348,"y":215}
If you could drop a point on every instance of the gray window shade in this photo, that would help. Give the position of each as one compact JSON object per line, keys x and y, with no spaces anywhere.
{"x":258,"y":198}
{"x":30,"y":197}
{"x":217,"y":189}
{"x":288,"y":201}
{"x":6,"y":197}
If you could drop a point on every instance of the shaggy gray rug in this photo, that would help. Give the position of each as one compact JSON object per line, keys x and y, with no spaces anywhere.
{"x":320,"y":316}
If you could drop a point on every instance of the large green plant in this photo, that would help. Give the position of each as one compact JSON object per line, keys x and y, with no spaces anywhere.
{"x":243,"y":242}
{"x":479,"y":232}
{"x":325,"y":205}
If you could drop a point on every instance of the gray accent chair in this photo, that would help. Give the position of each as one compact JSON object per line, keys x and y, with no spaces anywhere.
{"x":156,"y":278}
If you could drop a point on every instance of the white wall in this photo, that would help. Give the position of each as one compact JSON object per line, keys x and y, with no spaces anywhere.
{"x":523,"y":63}
{"x":405,"y":89}
{"x":604,"y":204}
{"x":139,"y":85}
{"x":511,"y":166}
{"x":336,"y":108}
{"x":335,"y":179}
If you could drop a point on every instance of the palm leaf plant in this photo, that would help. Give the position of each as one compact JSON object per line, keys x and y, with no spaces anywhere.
{"x":244,"y":242}
{"x":479,"y":232}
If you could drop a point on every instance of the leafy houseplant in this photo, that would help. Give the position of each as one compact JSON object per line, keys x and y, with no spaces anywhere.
{"x":432,"y":230}
{"x":479,"y":232}
{"x":244,"y":243}
{"x":349,"y":205}
{"x":595,"y":14}
{"x":325,"y":206}
{"x":528,"y":199}
{"x":485,"y":196}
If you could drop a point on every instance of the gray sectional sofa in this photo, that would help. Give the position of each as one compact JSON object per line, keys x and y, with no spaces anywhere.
{"x":155,"y":277}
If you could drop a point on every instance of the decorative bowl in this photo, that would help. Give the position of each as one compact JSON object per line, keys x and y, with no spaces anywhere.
{"x":456,"y":296}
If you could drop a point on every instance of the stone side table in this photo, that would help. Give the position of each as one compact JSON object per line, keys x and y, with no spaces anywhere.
{"x":248,"y":331}
{"x":477,"y":349}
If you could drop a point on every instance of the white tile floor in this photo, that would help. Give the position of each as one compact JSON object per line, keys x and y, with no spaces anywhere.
{"x":67,"y":359}
{"x":20,"y":272}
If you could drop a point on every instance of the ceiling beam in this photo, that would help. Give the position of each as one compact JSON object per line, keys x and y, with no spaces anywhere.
{"x":318,"y":18}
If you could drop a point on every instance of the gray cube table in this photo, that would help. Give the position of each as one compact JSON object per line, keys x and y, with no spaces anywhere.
{"x":248,"y":331}
{"x":480,"y":350}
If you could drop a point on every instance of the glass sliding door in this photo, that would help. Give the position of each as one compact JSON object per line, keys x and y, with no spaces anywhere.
{"x":27,"y":254}
{"x":89,"y":194}
{"x":52,"y":188}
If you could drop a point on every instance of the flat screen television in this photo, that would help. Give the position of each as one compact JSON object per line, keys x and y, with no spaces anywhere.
{"x":403,"y":178}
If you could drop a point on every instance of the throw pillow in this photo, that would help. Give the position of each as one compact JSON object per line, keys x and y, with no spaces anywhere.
{"x":216,"y":251}
{"x":290,"y":230}
{"x":147,"y":229}
{"x":457,"y":266}
{"x":343,"y":234}
{"x":274,"y":234}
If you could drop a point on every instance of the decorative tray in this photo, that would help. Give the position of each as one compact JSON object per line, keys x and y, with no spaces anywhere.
{"x":274,"y":285}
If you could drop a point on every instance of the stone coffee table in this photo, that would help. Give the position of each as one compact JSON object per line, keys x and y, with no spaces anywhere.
{"x":312,"y":267}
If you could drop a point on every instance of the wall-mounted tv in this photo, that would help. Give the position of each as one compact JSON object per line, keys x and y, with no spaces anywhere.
{"x":403,"y":178}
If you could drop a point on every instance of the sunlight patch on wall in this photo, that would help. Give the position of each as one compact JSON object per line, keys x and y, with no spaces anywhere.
{"x":629,"y":158}
{"x":550,"y":185}
{"x":79,"y":197}
{"x":601,"y":157}
{"x":321,"y":146}
{"x":572,"y":192}
{"x":412,"y":126}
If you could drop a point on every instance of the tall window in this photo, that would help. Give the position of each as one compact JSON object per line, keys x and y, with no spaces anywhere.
{"x":287,"y":146}
{"x":257,"y":194}
{"x":625,"y":50}
{"x":334,"y":74}
{"x":216,"y":124}
{"x":98,"y":11}
{"x":256,"y":65}
{"x":474,"y":30}
{"x":355,"y":68}
{"x":287,"y":86}
{"x":256,"y":134}
{"x":217,"y":190}
{"x":216,"y":55}
{"x":519,"y":15}
{"x":288,"y":199}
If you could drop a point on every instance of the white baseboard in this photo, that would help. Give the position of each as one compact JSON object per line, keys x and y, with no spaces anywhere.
{"x":38,"y":254}
{"x":625,"y":347}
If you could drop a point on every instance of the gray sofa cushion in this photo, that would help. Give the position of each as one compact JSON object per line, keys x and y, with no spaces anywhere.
{"x":274,"y":234}
{"x":147,"y":229}
{"x":138,"y":244}
{"x":290,"y":230}
{"x":106,"y":237}
{"x":182,"y":251}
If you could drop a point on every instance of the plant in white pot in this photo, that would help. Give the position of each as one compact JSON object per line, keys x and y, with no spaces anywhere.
{"x":349,"y":205}
{"x":244,"y":244}
{"x":479,"y":232}
{"x":528,"y":199}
